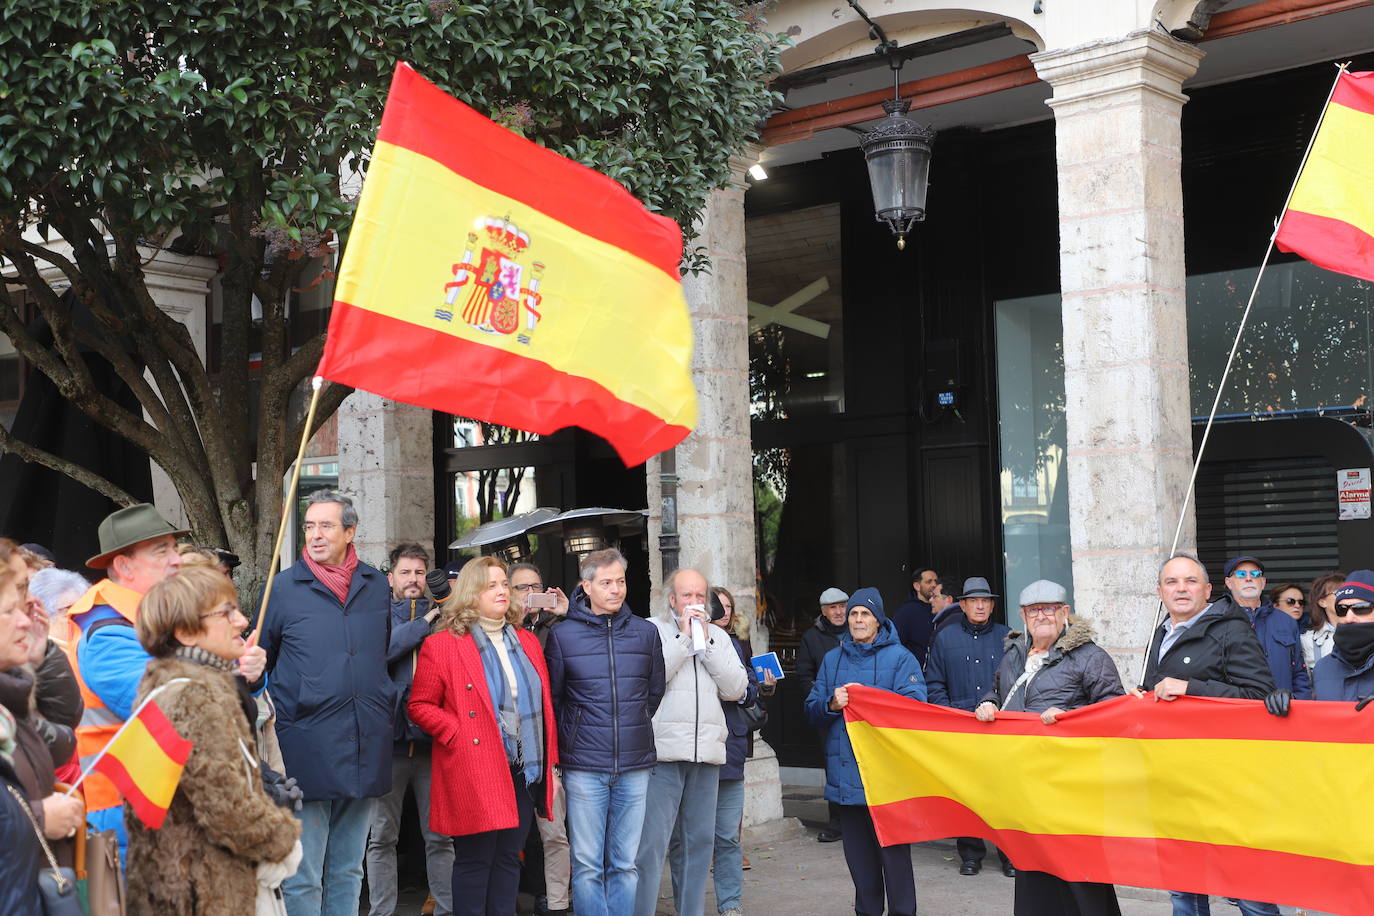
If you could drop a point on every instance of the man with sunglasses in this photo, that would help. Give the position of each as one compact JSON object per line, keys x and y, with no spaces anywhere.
{"x":1278,"y":633}
{"x":1348,"y":672}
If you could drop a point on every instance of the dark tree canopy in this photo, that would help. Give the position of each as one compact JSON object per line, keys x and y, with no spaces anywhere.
{"x":233,"y":130}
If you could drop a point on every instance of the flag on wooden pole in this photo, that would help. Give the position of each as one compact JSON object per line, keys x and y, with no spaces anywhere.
{"x":489,"y":277}
{"x":144,"y":760}
{"x":1193,"y":795}
{"x":1330,"y":217}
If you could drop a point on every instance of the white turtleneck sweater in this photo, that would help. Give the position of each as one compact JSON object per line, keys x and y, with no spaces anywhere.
{"x":493,"y":630}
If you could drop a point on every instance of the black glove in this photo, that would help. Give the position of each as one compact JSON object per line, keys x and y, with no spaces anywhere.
{"x":281,"y":789}
{"x":1363,"y":701}
{"x":1278,"y":701}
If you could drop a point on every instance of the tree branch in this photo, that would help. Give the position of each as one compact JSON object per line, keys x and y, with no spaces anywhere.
{"x":69,"y":468}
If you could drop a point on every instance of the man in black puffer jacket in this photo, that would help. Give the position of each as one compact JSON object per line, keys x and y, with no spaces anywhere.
{"x":606,"y":676}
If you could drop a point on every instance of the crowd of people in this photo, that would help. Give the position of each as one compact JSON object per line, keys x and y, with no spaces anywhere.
{"x":524,"y":719}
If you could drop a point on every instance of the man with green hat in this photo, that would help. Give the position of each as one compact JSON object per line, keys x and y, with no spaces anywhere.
{"x":137,"y":550}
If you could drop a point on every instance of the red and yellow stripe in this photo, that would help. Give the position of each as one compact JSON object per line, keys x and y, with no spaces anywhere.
{"x":145,"y":763}
{"x":1204,"y":795}
{"x":1330,"y":219}
{"x":612,"y":350}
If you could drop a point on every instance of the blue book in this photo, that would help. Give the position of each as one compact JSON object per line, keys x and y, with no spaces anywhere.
{"x":767,"y":662}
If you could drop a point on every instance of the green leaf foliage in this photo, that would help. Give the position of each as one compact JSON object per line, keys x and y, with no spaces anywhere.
{"x":155,"y":115}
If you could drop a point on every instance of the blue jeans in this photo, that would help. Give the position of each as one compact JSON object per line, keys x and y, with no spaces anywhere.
{"x":682,"y":796}
{"x":1186,"y":904}
{"x":729,"y":856}
{"x":605,"y":817}
{"x":329,"y":880}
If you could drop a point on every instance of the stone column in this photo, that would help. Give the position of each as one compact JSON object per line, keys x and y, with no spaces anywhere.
{"x":386,"y":464}
{"x":715,"y":502}
{"x":1117,"y":106}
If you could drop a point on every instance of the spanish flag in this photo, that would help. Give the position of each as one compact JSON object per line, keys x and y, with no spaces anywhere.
{"x":144,"y":760}
{"x":1330,"y":217}
{"x":489,"y":277}
{"x":1205,"y":795}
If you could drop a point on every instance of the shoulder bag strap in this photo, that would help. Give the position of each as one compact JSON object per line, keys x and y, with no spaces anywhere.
{"x":60,"y":878}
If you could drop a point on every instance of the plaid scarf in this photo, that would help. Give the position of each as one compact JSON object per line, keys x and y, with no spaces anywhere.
{"x":7,"y":729}
{"x":521,"y":717}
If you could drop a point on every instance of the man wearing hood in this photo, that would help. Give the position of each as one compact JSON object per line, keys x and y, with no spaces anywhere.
{"x":964,"y":656}
{"x":870,"y":655}
{"x":412,"y":620}
{"x":606,"y":678}
{"x":1347,"y":673}
{"x":816,"y":642}
{"x":702,"y":668}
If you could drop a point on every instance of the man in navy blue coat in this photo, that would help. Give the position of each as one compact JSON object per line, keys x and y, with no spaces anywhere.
{"x":326,"y":634}
{"x":1278,"y":633}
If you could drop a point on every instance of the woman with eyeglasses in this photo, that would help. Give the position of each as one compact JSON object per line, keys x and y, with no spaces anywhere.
{"x":225,"y":842}
{"x":1321,"y":607}
{"x":1348,"y":672}
{"x":482,"y":692}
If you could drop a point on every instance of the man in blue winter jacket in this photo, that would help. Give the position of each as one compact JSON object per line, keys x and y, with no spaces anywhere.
{"x":959,"y":672}
{"x":412,"y":619}
{"x":606,"y":675}
{"x":1278,"y":633}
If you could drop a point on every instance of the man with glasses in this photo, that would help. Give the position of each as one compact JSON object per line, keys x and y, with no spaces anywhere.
{"x":1208,"y":649}
{"x":1278,"y":633}
{"x":527,"y":580}
{"x":326,"y":634}
{"x":1348,"y":672}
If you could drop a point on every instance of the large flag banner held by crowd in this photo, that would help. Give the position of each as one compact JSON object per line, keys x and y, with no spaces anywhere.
{"x":489,"y":277}
{"x":1203,"y":795}
{"x":1330,"y":218}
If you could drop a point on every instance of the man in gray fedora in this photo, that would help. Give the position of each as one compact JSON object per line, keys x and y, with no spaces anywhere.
{"x":960,"y":671}
{"x":137,"y":550}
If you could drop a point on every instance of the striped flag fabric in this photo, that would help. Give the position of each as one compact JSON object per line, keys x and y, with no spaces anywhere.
{"x":144,"y":760}
{"x":1206,"y":795}
{"x":1330,"y":218}
{"x":489,"y":277}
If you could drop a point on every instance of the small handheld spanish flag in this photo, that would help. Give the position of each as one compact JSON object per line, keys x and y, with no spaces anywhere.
{"x":144,"y":760}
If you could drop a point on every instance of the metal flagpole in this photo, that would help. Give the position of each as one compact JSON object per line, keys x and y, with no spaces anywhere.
{"x":316,"y":383}
{"x":1235,"y":346}
{"x":133,"y":715}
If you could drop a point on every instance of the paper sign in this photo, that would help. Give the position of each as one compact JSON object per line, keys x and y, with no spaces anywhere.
{"x":1353,"y":486}
{"x":767,"y":662}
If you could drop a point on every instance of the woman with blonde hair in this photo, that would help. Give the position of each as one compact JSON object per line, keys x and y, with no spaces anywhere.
{"x":223,"y":837}
{"x":481,"y":690}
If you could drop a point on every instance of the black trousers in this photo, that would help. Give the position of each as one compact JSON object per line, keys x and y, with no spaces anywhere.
{"x":834,"y":816}
{"x":1041,"y":894}
{"x":486,"y":866}
{"x":972,"y":849}
{"x":876,"y":871}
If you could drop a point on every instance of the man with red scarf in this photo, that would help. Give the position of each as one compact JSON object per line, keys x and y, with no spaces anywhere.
{"x":327,"y":628}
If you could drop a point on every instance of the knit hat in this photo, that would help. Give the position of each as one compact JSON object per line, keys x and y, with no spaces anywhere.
{"x":1043,"y":591}
{"x":1359,"y":584}
{"x":833,"y":595}
{"x":869,"y":598}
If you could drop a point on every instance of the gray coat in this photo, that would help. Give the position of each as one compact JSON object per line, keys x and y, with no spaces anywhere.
{"x":1076,"y":672}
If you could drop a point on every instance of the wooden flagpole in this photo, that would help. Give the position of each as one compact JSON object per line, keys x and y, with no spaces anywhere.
{"x":1235,"y":346}
{"x":316,"y":384}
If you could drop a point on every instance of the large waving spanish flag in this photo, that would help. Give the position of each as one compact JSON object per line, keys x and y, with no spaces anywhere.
{"x":489,"y":277}
{"x":1204,"y":795}
{"x":1330,"y":218}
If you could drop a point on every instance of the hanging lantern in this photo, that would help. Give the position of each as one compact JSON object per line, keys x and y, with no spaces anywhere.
{"x":898,"y":156}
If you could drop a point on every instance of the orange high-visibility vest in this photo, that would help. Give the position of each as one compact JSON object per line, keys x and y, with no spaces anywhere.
{"x":98,"y":722}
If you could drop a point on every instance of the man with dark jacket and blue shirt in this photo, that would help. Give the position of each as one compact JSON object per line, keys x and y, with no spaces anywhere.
{"x":914,"y":620}
{"x":1278,"y":633}
{"x":606,"y":675}
{"x":326,"y":635}
{"x":412,"y":619}
{"x":961,"y":669}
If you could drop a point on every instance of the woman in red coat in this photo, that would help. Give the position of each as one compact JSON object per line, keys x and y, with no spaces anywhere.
{"x":482,"y":692}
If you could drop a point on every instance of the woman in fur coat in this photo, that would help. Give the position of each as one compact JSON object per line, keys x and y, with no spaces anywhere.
{"x":223,"y":835}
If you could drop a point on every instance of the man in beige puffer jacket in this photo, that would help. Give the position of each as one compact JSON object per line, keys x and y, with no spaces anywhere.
{"x":702,"y":669}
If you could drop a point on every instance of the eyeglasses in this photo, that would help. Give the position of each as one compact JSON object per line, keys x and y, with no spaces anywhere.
{"x":1249,"y":573}
{"x":226,"y":612}
{"x":532,"y":586}
{"x":1295,"y":602}
{"x":1041,"y":610}
{"x":323,"y":527}
{"x":1360,"y":609}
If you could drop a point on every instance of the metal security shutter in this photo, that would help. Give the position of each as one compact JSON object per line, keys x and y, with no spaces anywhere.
{"x":1281,"y":510}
